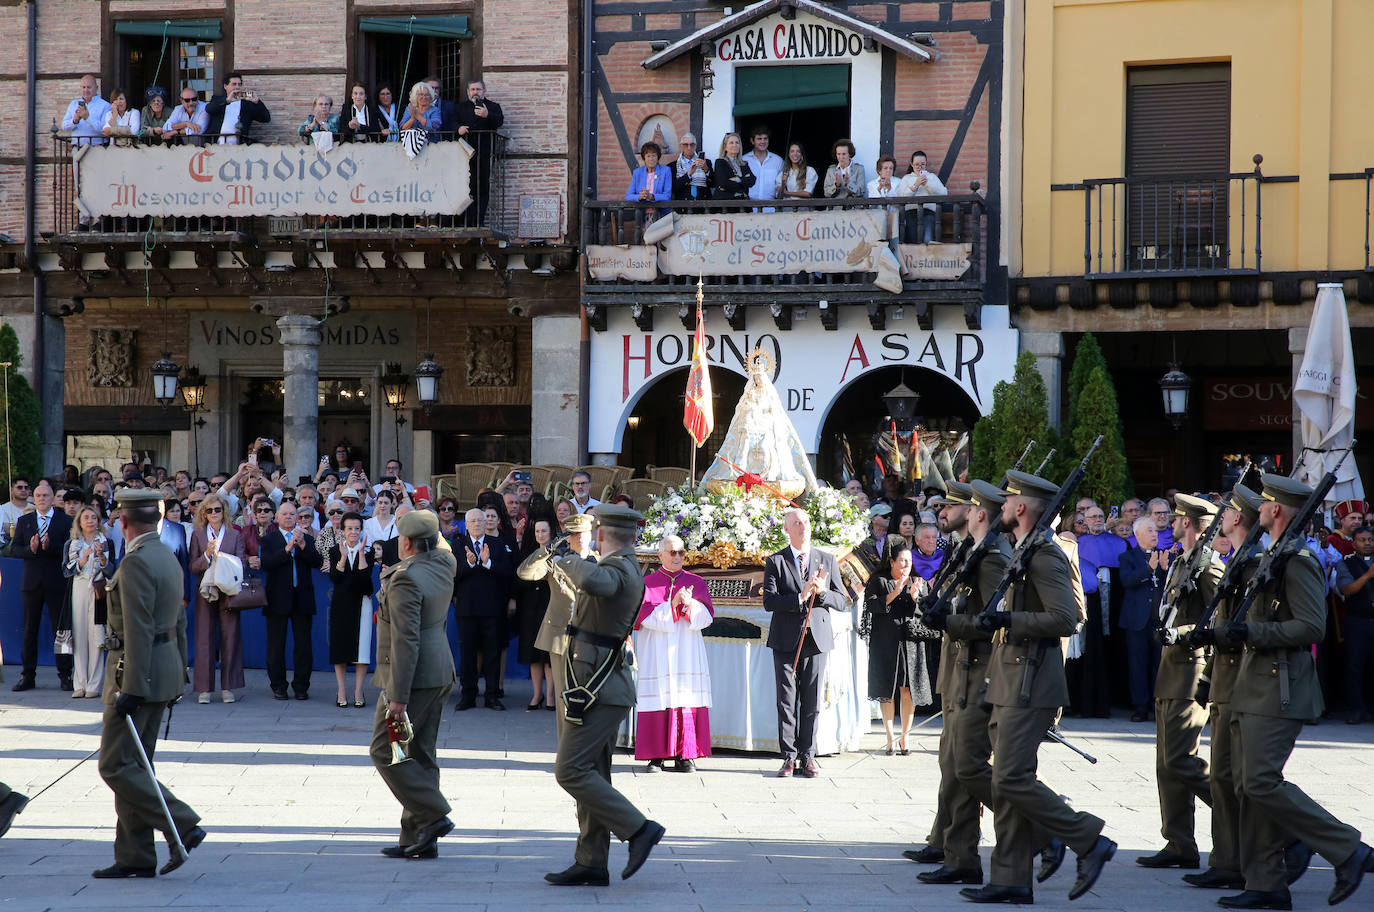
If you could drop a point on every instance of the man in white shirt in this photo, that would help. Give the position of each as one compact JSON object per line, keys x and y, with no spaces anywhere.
{"x":765,"y":165}
{"x":393,"y":470}
{"x":86,"y":115}
{"x":188,"y":121}
{"x":582,"y":493}
{"x":12,"y":509}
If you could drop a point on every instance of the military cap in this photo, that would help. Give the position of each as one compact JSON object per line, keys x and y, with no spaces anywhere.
{"x":1285,"y":491}
{"x":1193,"y":507}
{"x":578,"y":522}
{"x":615,"y":516}
{"x":987,"y":496}
{"x":1024,"y":484}
{"x":879,"y":510}
{"x":1243,"y":500}
{"x":418,"y":524}
{"x":138,"y":497}
{"x":957,"y":494}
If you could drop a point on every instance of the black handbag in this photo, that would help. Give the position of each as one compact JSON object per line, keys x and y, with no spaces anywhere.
{"x":252,"y":595}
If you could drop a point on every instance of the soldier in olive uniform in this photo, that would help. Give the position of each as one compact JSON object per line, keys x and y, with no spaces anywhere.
{"x":415,"y":674}
{"x":1238,"y":516}
{"x":965,"y":774}
{"x":1181,"y":775}
{"x":1026,"y":687}
{"x":953,"y":522}
{"x":1276,"y":691}
{"x":145,"y":671}
{"x":609,"y":595}
{"x":553,"y":633}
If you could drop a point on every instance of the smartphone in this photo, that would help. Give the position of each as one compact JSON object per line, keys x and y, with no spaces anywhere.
{"x":388,"y":479}
{"x":358,"y":466}
{"x":1114,"y":513}
{"x":253,"y":459}
{"x":304,"y":479}
{"x":324,"y":460}
{"x":522,"y":476}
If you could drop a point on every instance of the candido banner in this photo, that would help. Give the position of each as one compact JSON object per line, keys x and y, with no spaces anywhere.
{"x":269,"y":179}
{"x":813,"y":366}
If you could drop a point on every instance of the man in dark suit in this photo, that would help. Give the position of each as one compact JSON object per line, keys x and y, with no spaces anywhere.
{"x":39,"y":538}
{"x":1143,"y":569}
{"x":481,"y":592}
{"x":792,"y":579}
{"x":288,"y":555}
{"x":245,"y":107}
{"x":477,"y":120}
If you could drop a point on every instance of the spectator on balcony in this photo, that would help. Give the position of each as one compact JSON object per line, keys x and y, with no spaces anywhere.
{"x":122,"y":120}
{"x":846,"y":177}
{"x":189,"y":122}
{"x":154,"y":115}
{"x":422,"y":113}
{"x":885,"y":185}
{"x":358,"y":118}
{"x":233,"y":114}
{"x":733,"y":176}
{"x":322,"y":119}
{"x":388,"y":113}
{"x":478,"y":119}
{"x":87,"y":115}
{"x":797,"y":180}
{"x":650,"y":181}
{"x":920,"y":223}
{"x":767,"y":166}
{"x":691,"y":171}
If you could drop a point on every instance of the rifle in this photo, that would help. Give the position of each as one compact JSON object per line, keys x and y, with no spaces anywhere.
{"x":1284,"y":546}
{"x":1020,"y":558}
{"x":1230,"y":577}
{"x":1197,"y":561}
{"x":1044,"y":462}
{"x":964,"y":561}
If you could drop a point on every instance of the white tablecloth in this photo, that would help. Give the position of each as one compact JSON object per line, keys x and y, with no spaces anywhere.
{"x":744,"y":709}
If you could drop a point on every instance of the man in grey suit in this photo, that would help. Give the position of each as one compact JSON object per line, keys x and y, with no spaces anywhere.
{"x":797,"y":579}
{"x":415,"y":673}
{"x":600,"y":693}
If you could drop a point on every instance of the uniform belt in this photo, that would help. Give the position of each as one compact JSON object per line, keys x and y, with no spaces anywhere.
{"x":160,"y":638}
{"x":595,"y":639}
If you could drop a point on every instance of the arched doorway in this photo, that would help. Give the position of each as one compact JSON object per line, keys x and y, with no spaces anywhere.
{"x":653,"y":433}
{"x":857,"y":414}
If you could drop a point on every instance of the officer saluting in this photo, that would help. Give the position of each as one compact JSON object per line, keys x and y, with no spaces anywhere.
{"x":1179,"y":720}
{"x":415,"y":674}
{"x":1276,"y":691}
{"x":145,"y":671}
{"x":600,"y":692}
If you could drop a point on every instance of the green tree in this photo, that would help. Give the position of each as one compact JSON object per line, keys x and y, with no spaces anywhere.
{"x":1087,"y":356}
{"x":19,"y":435}
{"x":1105,"y":480}
{"x":1020,"y":414}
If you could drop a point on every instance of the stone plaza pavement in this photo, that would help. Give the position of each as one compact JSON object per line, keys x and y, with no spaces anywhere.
{"x":296,"y":816}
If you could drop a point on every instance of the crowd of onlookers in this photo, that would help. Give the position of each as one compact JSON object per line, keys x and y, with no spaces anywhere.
{"x":1124,"y":553}
{"x":761,"y":174}
{"x":341,"y":522}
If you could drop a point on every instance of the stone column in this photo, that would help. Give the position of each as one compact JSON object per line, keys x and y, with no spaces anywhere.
{"x":554,"y":406}
{"x":1297,"y":347}
{"x":300,"y":339}
{"x":52,"y":391}
{"x":1048,"y":348}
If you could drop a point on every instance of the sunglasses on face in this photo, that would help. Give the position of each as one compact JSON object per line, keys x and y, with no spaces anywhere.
{"x":677,"y":553}
{"x":214,"y":510}
{"x":447,"y":509}
{"x":336,"y":512}
{"x":265,"y":510}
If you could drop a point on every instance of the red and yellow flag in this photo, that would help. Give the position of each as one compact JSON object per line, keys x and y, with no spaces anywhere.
{"x":698,"y":414}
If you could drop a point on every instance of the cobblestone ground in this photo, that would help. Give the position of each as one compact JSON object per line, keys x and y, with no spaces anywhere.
{"x":296,"y":816}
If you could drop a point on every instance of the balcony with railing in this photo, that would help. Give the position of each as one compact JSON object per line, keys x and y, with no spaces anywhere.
{"x":259,"y":191}
{"x":1184,"y":224}
{"x":786,"y":252}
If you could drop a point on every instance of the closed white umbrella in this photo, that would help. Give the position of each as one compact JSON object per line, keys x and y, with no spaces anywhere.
{"x":1325,"y":395}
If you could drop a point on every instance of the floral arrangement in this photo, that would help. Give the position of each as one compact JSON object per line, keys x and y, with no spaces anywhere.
{"x":738,"y":528}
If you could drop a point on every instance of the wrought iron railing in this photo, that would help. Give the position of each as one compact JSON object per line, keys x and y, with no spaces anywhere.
{"x":1185,"y":223}
{"x":488,"y":169}
{"x":961,"y":219}
{"x":1367,"y":176}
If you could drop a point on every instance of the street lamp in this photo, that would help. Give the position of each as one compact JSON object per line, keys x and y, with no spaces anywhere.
{"x":165,"y":372}
{"x":193,"y":400}
{"x":1175,"y":386}
{"x":901,"y":402}
{"x":394,"y":385}
{"x":427,"y":374}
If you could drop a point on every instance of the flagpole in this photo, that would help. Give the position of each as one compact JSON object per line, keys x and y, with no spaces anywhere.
{"x":692,"y":460}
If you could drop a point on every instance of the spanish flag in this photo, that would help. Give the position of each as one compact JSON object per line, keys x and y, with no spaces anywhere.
{"x":698,"y":415}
